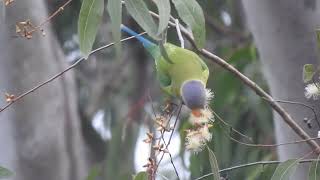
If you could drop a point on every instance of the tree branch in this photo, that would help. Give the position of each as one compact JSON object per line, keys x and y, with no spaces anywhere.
{"x":60,"y":74}
{"x":257,"y":89}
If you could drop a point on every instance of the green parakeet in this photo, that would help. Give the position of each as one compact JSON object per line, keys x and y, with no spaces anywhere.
{"x":181,"y":73}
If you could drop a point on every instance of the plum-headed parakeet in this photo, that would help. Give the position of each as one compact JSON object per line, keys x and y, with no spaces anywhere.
{"x":182,"y":73}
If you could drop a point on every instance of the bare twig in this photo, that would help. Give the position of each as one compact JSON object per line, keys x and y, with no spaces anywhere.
{"x":231,"y":128}
{"x":273,"y":145}
{"x":179,"y":33}
{"x":60,"y":9}
{"x":300,"y":161}
{"x":254,"y":164}
{"x":167,"y":144}
{"x":260,"y":145}
{"x":18,"y":98}
{"x":301,"y":104}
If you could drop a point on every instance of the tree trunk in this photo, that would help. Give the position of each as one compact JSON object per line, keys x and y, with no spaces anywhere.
{"x":284,"y":32}
{"x":40,"y":136}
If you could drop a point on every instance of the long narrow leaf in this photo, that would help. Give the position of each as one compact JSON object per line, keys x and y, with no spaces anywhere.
{"x":191,"y":13}
{"x":140,"y":12}
{"x":5,"y":173}
{"x":164,"y":10}
{"x":214,"y":165}
{"x":89,"y":21}
{"x":314,"y":170}
{"x":285,"y":170}
{"x":115,"y":11}
{"x":140,"y":176}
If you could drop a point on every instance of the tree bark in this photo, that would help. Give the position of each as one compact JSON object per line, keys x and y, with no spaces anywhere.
{"x":40,"y":135}
{"x":284,"y":32}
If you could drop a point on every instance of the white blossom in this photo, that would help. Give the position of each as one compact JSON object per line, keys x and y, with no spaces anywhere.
{"x":312,"y":90}
{"x":205,"y":133}
{"x":194,"y":141}
{"x":205,"y":117}
{"x":209,"y":96}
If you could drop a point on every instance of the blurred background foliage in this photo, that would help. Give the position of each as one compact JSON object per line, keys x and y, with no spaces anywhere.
{"x":117,"y":93}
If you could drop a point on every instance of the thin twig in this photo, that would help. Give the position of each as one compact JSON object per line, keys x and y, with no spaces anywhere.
{"x":167,"y":144}
{"x":301,"y":104}
{"x":60,"y":9}
{"x":179,"y":33}
{"x":260,"y":145}
{"x":175,"y":123}
{"x":61,"y":73}
{"x":257,"y":163}
{"x":232,"y":129}
{"x":273,"y":145}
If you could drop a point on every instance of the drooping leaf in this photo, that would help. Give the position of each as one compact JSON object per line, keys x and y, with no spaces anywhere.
{"x":308,"y":72}
{"x":141,"y":176}
{"x":285,"y":170}
{"x":314,"y":171}
{"x":5,"y":173}
{"x":214,"y":165}
{"x":140,"y":12}
{"x":89,"y":20}
{"x":115,"y":11}
{"x":164,"y":10}
{"x":191,"y":13}
{"x":267,"y":172}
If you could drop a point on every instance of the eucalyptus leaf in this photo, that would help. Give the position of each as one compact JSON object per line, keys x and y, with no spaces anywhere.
{"x":141,"y":176}
{"x":89,"y":21}
{"x":308,"y":72}
{"x":164,"y":10}
{"x":140,"y":13}
{"x":268,"y":171}
{"x":314,"y":171}
{"x":191,"y":13}
{"x":115,"y":11}
{"x":214,"y":165}
{"x":285,"y":170}
{"x":5,"y":173}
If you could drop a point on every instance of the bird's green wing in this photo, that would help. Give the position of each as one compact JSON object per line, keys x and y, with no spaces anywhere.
{"x":165,"y":80}
{"x":205,"y":72}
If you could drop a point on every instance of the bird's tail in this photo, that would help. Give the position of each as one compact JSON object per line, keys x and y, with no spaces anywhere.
{"x":146,"y":43}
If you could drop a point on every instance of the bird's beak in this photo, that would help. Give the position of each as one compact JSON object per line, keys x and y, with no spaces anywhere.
{"x":196,"y":112}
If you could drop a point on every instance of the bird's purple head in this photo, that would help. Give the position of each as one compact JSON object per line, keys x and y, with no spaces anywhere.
{"x":193,"y":94}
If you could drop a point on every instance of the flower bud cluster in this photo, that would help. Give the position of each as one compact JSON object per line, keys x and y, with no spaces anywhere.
{"x":197,"y":137}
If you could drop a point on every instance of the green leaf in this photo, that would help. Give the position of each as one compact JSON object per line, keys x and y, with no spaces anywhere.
{"x":308,"y":72}
{"x":141,"y":176}
{"x":285,"y":170}
{"x":268,"y":171}
{"x":5,"y":173}
{"x":191,"y":13}
{"x":164,"y":9}
{"x":314,"y":171}
{"x":140,"y":12}
{"x":214,"y":165}
{"x":89,"y":20}
{"x":115,"y":11}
